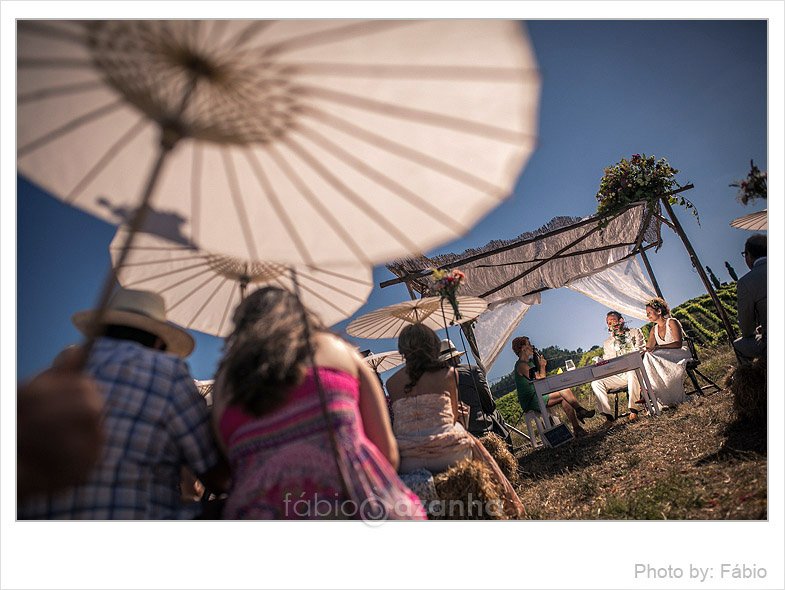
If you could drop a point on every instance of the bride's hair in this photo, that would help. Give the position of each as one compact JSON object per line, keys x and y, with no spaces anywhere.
{"x":659,"y":305}
{"x":420,"y":346}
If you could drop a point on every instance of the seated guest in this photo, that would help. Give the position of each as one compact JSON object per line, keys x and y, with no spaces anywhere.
{"x":666,"y":354}
{"x":281,"y":375}
{"x":154,"y":420}
{"x":751,"y":302}
{"x":424,"y":394}
{"x":473,"y":391}
{"x":600,"y":387}
{"x":58,"y":430}
{"x":527,"y":395}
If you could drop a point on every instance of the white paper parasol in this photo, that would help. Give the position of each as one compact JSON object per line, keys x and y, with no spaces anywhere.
{"x":205,"y":388}
{"x":757,"y":221}
{"x":384,"y":361}
{"x":296,"y":141}
{"x":388,"y":322}
{"x":201,"y":290}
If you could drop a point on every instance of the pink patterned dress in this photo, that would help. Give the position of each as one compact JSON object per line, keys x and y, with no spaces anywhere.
{"x":283,"y":465}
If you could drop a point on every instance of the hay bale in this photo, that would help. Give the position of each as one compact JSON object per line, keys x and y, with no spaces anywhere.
{"x":747,"y":384}
{"x":495,"y":445}
{"x":468,"y":490}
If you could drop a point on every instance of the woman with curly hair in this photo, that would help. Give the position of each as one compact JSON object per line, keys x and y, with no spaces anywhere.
{"x":281,"y":379}
{"x":424,"y":396}
{"x":666,"y":354}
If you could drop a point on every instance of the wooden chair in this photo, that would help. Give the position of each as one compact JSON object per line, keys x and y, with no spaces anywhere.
{"x":694,"y":373}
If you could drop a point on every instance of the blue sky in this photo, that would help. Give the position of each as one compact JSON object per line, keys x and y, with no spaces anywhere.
{"x":693,"y":92}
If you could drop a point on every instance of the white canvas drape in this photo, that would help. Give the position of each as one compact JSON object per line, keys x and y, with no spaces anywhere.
{"x":495,"y":326}
{"x":623,"y":287}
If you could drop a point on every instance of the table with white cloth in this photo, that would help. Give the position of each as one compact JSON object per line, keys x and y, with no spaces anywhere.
{"x":621,"y":364}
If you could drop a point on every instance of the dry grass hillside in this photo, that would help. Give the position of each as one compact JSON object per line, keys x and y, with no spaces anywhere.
{"x":697,"y":461}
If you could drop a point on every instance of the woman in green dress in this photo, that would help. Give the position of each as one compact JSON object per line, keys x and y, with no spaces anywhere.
{"x":526,"y":393}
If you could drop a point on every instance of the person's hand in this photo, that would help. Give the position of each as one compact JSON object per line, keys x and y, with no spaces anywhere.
{"x":542,"y":360}
{"x":651,"y":348}
{"x":463,"y":414}
{"x":191,"y":489}
{"x":59,"y":437}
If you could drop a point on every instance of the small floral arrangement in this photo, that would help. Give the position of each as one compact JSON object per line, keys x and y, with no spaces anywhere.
{"x":752,"y":187}
{"x":445,"y":283}
{"x":620,"y":332}
{"x":640,"y":178}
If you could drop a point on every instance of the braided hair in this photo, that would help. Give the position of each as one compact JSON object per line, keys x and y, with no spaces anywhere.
{"x":265,"y":354}
{"x":420,"y":347}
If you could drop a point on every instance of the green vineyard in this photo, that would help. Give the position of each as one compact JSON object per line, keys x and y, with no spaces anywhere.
{"x":699,"y":317}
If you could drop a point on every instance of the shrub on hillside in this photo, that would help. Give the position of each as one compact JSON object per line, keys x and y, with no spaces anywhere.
{"x":509,"y":407}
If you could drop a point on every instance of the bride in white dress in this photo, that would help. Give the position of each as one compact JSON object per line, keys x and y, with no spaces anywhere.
{"x":666,"y":354}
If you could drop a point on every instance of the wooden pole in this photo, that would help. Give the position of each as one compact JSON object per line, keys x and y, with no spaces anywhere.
{"x":468,"y":330}
{"x":651,"y":274}
{"x":697,"y":265}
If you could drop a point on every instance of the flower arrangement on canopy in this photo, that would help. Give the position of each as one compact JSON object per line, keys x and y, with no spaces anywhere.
{"x":640,"y":178}
{"x":754,"y":186}
{"x":445,"y":283}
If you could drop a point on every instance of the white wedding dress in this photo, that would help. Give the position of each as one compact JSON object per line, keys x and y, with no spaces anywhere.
{"x":666,"y":368}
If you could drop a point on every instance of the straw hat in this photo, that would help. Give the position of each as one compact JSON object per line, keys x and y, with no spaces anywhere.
{"x":448,"y":351}
{"x":142,"y":310}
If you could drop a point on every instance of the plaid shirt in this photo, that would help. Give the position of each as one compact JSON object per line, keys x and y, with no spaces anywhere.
{"x":155,"y":422}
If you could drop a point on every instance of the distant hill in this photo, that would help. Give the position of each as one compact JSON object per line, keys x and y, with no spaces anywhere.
{"x":698,"y":316}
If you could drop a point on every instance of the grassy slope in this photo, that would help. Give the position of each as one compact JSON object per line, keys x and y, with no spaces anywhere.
{"x":694,"y":462}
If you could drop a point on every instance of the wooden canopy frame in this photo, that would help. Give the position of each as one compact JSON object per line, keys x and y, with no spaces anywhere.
{"x":417,"y":280}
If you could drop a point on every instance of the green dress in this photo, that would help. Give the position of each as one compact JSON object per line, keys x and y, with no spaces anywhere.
{"x":526,"y":393}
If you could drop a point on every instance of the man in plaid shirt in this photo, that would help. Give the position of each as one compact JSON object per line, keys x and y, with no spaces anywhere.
{"x":155,"y":421}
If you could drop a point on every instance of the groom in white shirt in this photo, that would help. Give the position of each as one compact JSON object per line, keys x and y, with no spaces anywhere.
{"x":629,"y":380}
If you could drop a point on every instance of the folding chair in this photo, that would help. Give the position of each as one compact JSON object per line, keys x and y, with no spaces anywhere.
{"x":536,"y":425}
{"x":616,"y":392}
{"x":693,"y":372}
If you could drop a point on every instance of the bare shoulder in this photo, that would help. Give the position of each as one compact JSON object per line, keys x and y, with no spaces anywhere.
{"x":396,"y":383}
{"x":333,"y":351}
{"x":448,"y":375}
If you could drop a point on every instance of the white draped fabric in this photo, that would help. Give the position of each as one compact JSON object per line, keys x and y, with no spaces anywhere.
{"x":495,"y":326}
{"x":564,"y":250}
{"x":622,"y":287}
